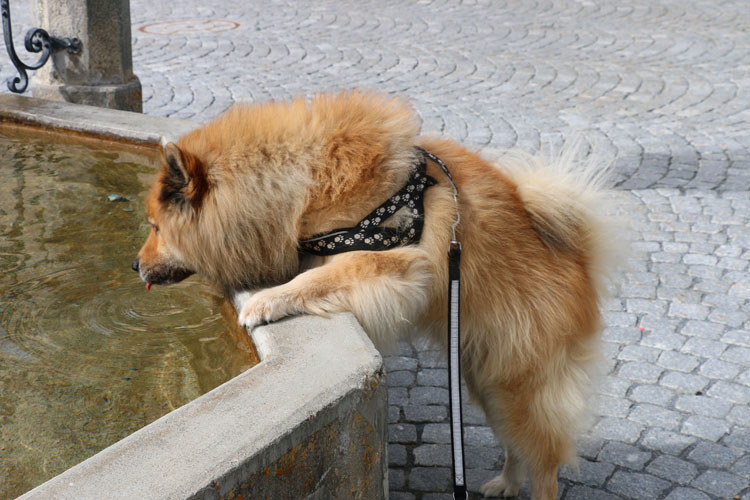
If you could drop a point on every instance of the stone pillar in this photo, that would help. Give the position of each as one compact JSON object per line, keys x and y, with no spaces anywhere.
{"x":102,"y":73}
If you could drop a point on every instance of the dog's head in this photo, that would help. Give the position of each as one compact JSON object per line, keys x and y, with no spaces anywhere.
{"x":216,"y":209}
{"x":172,"y":207}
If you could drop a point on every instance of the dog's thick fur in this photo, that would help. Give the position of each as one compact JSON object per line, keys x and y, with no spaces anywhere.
{"x":235,"y":196}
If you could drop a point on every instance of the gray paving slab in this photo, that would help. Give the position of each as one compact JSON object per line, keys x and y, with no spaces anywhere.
{"x":660,"y":87}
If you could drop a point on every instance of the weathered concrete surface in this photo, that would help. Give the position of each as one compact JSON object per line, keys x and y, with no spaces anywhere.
{"x":91,"y":121}
{"x":309,"y":421}
{"x":101,"y":74}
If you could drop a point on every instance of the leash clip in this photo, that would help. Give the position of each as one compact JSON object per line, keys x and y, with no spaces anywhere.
{"x":447,"y":172}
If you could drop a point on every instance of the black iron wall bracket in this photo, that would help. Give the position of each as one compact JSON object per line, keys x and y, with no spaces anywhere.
{"x":37,"y":40}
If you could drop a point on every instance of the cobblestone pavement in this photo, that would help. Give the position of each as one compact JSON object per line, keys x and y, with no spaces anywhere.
{"x":660,"y":86}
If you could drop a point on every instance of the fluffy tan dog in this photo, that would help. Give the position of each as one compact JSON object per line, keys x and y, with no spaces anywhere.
{"x":235,"y":197}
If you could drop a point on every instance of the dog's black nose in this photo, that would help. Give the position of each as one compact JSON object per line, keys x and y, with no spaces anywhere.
{"x":135,"y":265}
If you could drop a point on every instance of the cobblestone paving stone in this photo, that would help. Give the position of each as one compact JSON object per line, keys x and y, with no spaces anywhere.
{"x":659,"y":86}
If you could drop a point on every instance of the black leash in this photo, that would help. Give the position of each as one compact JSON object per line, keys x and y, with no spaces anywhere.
{"x":369,"y":234}
{"x":454,"y":369}
{"x":454,"y":346}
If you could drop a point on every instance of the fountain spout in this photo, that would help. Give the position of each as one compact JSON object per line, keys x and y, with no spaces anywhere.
{"x":37,"y":40}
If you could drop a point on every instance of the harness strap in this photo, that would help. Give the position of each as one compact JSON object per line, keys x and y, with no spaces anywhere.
{"x":369,"y":233}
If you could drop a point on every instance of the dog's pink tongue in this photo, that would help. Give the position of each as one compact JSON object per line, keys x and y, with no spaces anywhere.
{"x":148,"y":286}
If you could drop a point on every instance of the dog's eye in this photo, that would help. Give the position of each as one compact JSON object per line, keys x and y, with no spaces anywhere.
{"x":156,"y":228}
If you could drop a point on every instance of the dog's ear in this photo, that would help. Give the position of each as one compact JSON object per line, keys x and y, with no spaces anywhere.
{"x":183,"y":176}
{"x":177,"y":175}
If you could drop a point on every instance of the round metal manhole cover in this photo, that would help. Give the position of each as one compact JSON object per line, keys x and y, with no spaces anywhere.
{"x":189,"y":26}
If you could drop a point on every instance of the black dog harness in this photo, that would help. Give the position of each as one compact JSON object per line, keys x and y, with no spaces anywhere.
{"x":369,"y":234}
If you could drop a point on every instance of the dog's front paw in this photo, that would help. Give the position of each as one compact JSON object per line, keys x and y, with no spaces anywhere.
{"x":265,"y":306}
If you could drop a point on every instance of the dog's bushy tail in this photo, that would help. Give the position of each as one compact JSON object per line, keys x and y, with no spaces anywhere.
{"x":566,"y":197}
